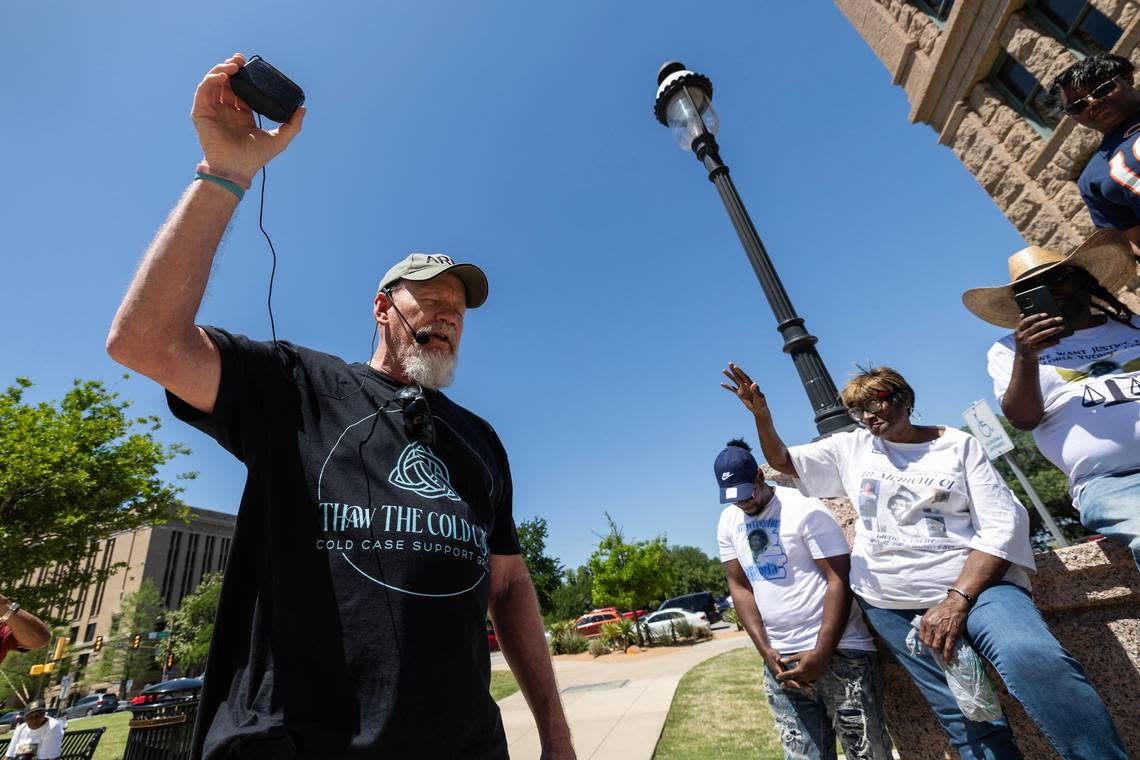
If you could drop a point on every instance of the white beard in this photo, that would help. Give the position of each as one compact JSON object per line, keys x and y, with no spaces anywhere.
{"x":431,"y":369}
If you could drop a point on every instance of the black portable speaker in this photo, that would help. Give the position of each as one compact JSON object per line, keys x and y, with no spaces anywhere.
{"x":266,"y":90}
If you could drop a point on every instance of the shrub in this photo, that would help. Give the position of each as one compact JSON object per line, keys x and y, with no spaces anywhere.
{"x":702,"y":632}
{"x":619,"y":634}
{"x":683,"y":629}
{"x":598,"y":647}
{"x":732,"y":616}
{"x":565,"y":639}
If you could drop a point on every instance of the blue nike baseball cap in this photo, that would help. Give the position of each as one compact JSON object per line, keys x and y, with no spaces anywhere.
{"x":735,"y":470}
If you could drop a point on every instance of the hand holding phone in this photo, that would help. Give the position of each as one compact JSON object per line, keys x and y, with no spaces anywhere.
{"x":1039,"y":300}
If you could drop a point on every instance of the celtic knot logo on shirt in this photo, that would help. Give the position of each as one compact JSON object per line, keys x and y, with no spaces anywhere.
{"x":422,"y":472}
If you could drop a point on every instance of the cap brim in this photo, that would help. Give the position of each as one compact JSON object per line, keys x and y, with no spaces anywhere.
{"x":1105,"y":255}
{"x":739,"y":492}
{"x":472,"y":277}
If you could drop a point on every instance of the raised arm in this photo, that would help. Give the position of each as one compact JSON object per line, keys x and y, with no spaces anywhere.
{"x":775,"y":452}
{"x":1022,"y":403}
{"x":28,"y":630}
{"x":153,"y":331}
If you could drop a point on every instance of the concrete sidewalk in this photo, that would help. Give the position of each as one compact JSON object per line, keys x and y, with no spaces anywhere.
{"x":616,"y":706}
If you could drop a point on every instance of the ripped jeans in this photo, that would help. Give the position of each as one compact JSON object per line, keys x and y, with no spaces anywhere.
{"x":847,"y":701}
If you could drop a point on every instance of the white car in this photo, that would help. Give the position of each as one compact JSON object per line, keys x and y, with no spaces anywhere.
{"x":661,"y":621}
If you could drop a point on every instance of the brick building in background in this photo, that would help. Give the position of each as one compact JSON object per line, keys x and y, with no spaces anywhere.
{"x":976,"y":71}
{"x":174,"y":556}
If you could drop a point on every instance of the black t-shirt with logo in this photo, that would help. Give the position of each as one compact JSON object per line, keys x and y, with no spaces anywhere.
{"x":351,"y":620}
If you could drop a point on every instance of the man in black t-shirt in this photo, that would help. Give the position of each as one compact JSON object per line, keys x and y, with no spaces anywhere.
{"x":375,"y":530}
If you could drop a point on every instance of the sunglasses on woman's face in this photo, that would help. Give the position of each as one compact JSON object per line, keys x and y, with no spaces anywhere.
{"x":1098,"y":93}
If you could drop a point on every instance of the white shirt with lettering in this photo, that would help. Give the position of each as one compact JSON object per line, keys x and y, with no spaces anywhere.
{"x":1090,"y":383}
{"x":922,"y":508}
{"x":46,"y":741}
{"x":777,"y":550}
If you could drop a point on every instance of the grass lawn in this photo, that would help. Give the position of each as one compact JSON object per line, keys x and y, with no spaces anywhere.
{"x":503,"y":684}
{"x":719,"y":711}
{"x":113,"y":742}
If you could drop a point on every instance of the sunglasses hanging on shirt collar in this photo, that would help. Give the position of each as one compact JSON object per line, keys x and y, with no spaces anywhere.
{"x":417,"y":414}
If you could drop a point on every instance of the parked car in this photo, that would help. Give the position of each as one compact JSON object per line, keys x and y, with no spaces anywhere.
{"x":702,"y":601}
{"x":176,"y":690}
{"x":590,"y":624}
{"x":92,"y":704}
{"x":492,"y":640}
{"x":12,"y":718}
{"x":661,"y":621}
{"x":724,"y":604}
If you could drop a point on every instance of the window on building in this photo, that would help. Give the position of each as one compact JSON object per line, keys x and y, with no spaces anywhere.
{"x":939,"y":10}
{"x":104,"y":571}
{"x":73,"y":634}
{"x":1024,"y":93}
{"x":188,"y":584}
{"x":1078,"y":25}
{"x":89,"y":634}
{"x":224,"y":558}
{"x":208,"y":557}
{"x":171,"y":569}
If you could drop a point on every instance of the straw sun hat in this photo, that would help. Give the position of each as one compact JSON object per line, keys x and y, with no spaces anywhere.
{"x":1106,"y":255}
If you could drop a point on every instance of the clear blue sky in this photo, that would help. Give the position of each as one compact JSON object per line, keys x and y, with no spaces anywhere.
{"x":519,"y":136}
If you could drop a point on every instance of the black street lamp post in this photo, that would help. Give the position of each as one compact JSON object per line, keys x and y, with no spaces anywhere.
{"x":684,"y":104}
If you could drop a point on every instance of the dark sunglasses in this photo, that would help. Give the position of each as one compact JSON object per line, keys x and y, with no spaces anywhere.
{"x":417,"y":414}
{"x":1099,"y":92}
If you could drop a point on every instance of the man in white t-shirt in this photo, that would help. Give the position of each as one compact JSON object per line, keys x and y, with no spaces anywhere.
{"x":39,"y":737}
{"x":1079,"y":393}
{"x":787,"y":563}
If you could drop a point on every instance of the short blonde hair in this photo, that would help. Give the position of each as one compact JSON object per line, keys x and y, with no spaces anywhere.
{"x":869,"y":382}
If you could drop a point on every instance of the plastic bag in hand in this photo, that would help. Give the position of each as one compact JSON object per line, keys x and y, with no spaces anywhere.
{"x":966,"y":676}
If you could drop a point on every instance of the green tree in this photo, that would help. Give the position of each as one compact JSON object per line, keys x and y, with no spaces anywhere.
{"x":72,"y":472}
{"x":1051,"y":485}
{"x":192,"y":626}
{"x":574,"y":597}
{"x":545,"y":571}
{"x":695,"y":571}
{"x":629,"y":575}
{"x":140,"y":615}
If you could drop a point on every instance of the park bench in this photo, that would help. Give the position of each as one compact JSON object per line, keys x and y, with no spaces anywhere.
{"x":77,"y":745}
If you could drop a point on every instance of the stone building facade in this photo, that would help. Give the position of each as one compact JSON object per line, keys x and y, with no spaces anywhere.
{"x":976,"y":72}
{"x":173,"y":556}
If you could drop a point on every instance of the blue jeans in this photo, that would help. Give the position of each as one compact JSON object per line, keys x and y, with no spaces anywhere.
{"x":1005,"y":627}
{"x":847,"y":699}
{"x":1110,"y":505}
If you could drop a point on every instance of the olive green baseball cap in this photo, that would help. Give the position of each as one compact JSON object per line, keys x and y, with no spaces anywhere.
{"x":426,"y":266}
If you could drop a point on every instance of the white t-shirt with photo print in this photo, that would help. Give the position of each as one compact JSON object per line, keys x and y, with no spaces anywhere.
{"x":1090,"y":383}
{"x":777,"y":549}
{"x":922,"y":508}
{"x":46,"y":742}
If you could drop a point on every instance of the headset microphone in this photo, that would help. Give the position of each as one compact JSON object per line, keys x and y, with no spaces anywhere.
{"x":423,"y":336}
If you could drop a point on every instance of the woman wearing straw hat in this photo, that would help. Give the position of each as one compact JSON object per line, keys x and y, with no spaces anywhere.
{"x":946,"y":541}
{"x":1079,"y":393}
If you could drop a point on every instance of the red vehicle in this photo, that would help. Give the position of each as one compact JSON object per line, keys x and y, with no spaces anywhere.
{"x":590,"y":624}
{"x":492,"y":641}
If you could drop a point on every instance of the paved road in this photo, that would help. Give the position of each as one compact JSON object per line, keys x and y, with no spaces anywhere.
{"x":616,"y":706}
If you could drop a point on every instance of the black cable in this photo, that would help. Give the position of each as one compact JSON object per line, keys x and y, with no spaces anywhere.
{"x":273,"y":274}
{"x":272,"y":250}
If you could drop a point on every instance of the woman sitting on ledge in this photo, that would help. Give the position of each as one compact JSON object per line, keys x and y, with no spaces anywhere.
{"x":941,"y":536}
